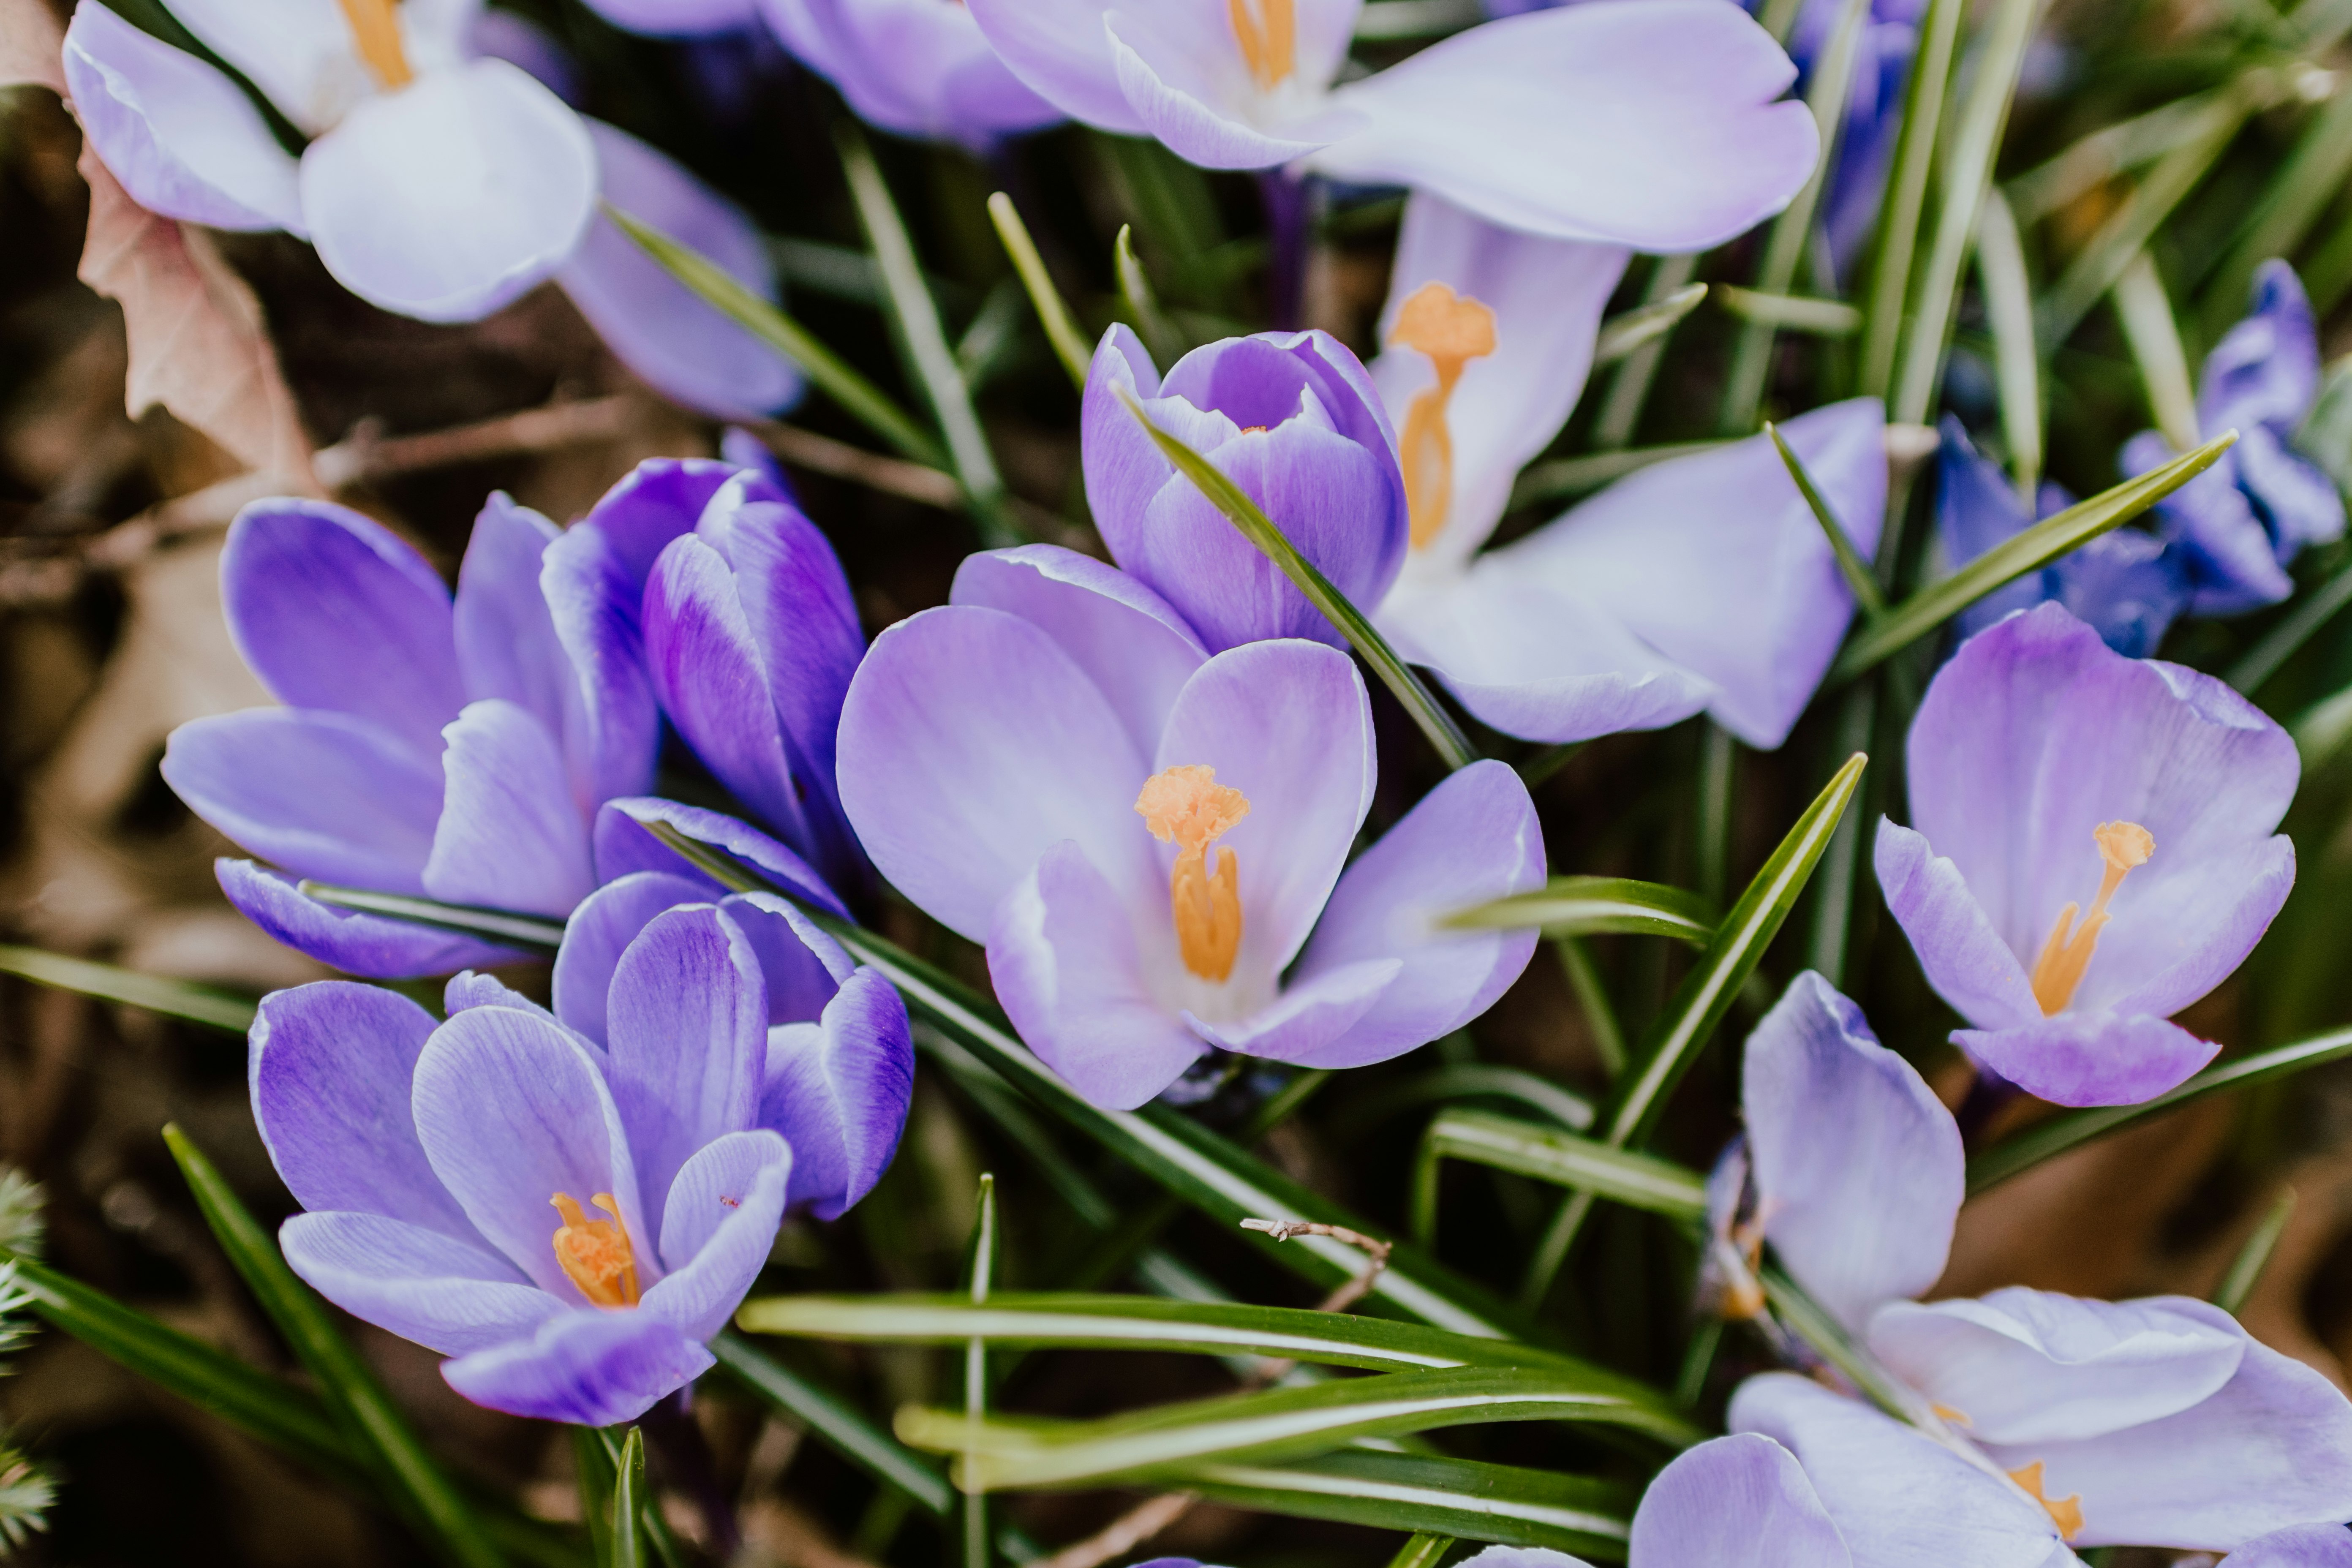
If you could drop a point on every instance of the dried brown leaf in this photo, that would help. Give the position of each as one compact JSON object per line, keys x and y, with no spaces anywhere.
{"x":198,"y":344}
{"x":31,"y":46}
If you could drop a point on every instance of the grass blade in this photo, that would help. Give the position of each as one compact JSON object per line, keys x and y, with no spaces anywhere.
{"x":1565,"y":1160}
{"x":2246,"y":1268}
{"x":2298,"y":194}
{"x":354,"y":1396}
{"x":1791,"y":313}
{"x":494,"y":925}
{"x":622,"y":1542}
{"x":1906,"y":191}
{"x":1160,"y":334}
{"x":594,"y":1473}
{"x":215,"y":1009}
{"x":1423,"y":1550}
{"x":1587,"y":906}
{"x":1620,"y":335}
{"x":718,"y":288}
{"x":1858,"y":579}
{"x":1053,"y":314}
{"x":1929,"y":608}
{"x":1461,"y":1498}
{"x":1577,"y":476}
{"x":2282,"y":641}
{"x":1227,"y":497}
{"x":2145,"y":312}
{"x":915,"y":316}
{"x":837,"y":1423}
{"x":1628,"y":389}
{"x":2063,"y":1131}
{"x":2016,"y":352}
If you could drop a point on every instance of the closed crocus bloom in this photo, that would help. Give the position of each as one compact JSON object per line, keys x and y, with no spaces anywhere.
{"x":1292,"y":418}
{"x":570,"y":1215}
{"x":2091,"y":850}
{"x":917,"y":67}
{"x":448,"y":748}
{"x":696,"y":591}
{"x":435,"y":184}
{"x":1153,"y":842}
{"x":2242,"y":521}
{"x":1643,"y":122}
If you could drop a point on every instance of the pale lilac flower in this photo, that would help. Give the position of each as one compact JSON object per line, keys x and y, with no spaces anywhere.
{"x":1643,"y":122}
{"x":2297,"y":1546}
{"x":2091,"y":850}
{"x":2242,"y":522}
{"x":917,"y":67}
{"x":1153,"y":842}
{"x":678,"y":18}
{"x":570,"y":1205}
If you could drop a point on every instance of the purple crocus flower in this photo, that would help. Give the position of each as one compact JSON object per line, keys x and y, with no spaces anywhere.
{"x":2127,"y":584}
{"x":1873,"y":112}
{"x":2049,"y":774}
{"x":1153,"y":842}
{"x":568,"y":1204}
{"x":696,"y":591}
{"x":1643,"y":122}
{"x":2242,"y":521}
{"x":427,"y":746}
{"x":917,"y":67}
{"x":440,"y":181}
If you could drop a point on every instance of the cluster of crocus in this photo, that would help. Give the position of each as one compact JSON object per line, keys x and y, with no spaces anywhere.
{"x":435,"y":178}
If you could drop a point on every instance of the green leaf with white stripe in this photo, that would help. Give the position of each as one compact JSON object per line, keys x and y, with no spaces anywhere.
{"x":1563,"y":1159}
{"x":1590,"y":906}
{"x":1460,"y":1498}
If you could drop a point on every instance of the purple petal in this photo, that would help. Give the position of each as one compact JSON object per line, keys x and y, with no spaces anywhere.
{"x":625,"y":842}
{"x":601,"y":929}
{"x":1309,"y":1021}
{"x":802,"y":965}
{"x":677,"y":18}
{"x":1976,"y":509}
{"x":2130,"y":586}
{"x":839,"y":1092}
{"x":329,"y":1065}
{"x":2297,"y":502}
{"x":1857,"y":1163}
{"x":526,"y":44}
{"x":472,"y":990}
{"x":661,"y":498}
{"x":373,"y":946}
{"x":689,"y":1026}
{"x":325,"y":795}
{"x":1063,"y":957}
{"x":592,"y":1368}
{"x":1652,"y":125}
{"x":676,"y":343}
{"x":593,"y":601}
{"x":506,"y":641}
{"x":1472,"y":838}
{"x":1202,"y":108}
{"x":1061,"y":51}
{"x":2233,"y":567}
{"x":511,"y":1111}
{"x":2031,"y":1366}
{"x":1132,"y":642}
{"x":333,"y":612}
{"x":970,"y":743}
{"x":511,"y":835}
{"x":2297,"y":1546}
{"x":481,"y":152}
{"x":451,"y":1296}
{"x":2265,"y":369}
{"x":2091,"y":1058}
{"x":182,"y":138}
{"x":1963,"y":956}
{"x":917,"y":67}
{"x":717,"y":1228}
{"x":1740,"y":1500}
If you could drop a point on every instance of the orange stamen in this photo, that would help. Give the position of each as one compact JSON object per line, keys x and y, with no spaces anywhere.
{"x":2065,"y":1512}
{"x":595,"y":1253}
{"x":2066,"y":954}
{"x":1451,"y":330}
{"x":1187,"y":807}
{"x":375,"y":29}
{"x":1268,"y":37}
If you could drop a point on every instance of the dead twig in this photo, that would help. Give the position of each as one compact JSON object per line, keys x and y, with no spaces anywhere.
{"x":1123,"y":1534}
{"x":1353,"y":1290}
{"x":840,"y":460}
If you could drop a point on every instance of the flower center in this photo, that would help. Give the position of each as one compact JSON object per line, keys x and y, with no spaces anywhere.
{"x":1451,"y":330}
{"x":2067,"y":952}
{"x":1188,"y":807}
{"x":2065,"y":1512}
{"x":375,"y":29}
{"x":1267,"y":31}
{"x":595,"y":1253}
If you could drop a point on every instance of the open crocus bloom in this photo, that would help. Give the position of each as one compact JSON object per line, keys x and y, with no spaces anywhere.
{"x":1151,"y":840}
{"x":918,"y":67}
{"x":2243,"y":520}
{"x":571,"y":1216}
{"x":2091,"y":850}
{"x":696,"y":591}
{"x":447,"y":749}
{"x":1643,"y":122}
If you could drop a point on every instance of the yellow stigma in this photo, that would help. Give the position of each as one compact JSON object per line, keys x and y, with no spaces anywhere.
{"x":375,"y":29}
{"x":1188,"y":807}
{"x":1451,"y":330}
{"x":595,"y":1253}
{"x":1267,"y":31}
{"x":2067,"y":953}
{"x":2067,"y":1512}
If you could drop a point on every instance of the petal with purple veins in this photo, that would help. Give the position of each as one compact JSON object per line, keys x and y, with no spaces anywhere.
{"x":601,"y":929}
{"x":451,"y":1296}
{"x":1742,"y":1499}
{"x":2091,"y":1057}
{"x":323,"y":795}
{"x":510,"y":834}
{"x":373,"y":946}
{"x":590,"y":1368}
{"x":717,"y":1225}
{"x":838,"y":1092}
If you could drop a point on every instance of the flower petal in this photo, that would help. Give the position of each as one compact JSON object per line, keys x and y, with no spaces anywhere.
{"x":804,"y":967}
{"x":1964,"y":956}
{"x":510,"y":834}
{"x":2265,"y":369}
{"x":373,"y":946}
{"x":472,"y":990}
{"x":625,"y":842}
{"x":1650,"y":124}
{"x":451,"y":1296}
{"x":1740,"y":1500}
{"x":591,"y":1368}
{"x":917,"y":67}
{"x":677,"y":18}
{"x":601,"y":929}
{"x":717,"y":1225}
{"x":323,"y":795}
{"x":969,"y":745}
{"x":1061,"y":51}
{"x":1472,"y":838}
{"x":687,"y":1021}
{"x":505,"y":635}
{"x":1307,"y":1023}
{"x":2091,"y":1058}
{"x":2297,"y":1546}
{"x":839,"y":1093}
{"x":453,"y":196}
{"x":1858,"y":1164}
{"x":1184,"y":74}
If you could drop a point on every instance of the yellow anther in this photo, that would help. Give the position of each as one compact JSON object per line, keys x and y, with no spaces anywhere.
{"x":2065,"y":1512}
{"x":1188,"y":807}
{"x":595,"y":1253}
{"x":1267,"y":31}
{"x":2125,"y":847}
{"x":1451,"y":330}
{"x":1956,"y":1417}
{"x":375,"y":29}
